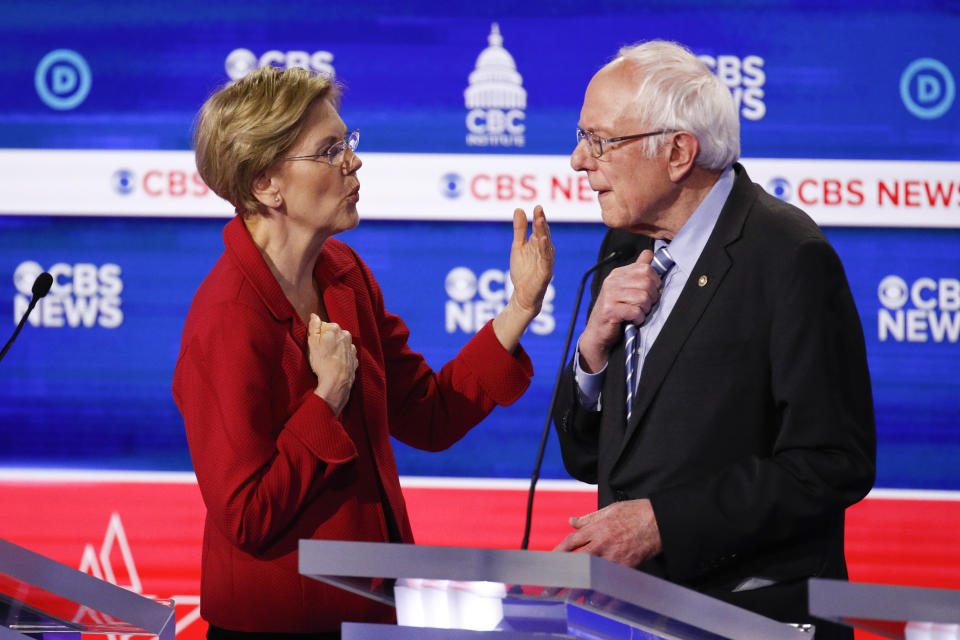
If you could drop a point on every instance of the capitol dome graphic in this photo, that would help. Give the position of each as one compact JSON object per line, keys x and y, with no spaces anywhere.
{"x":495,"y":82}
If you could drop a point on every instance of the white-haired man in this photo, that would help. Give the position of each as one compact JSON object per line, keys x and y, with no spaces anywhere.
{"x":720,"y":396}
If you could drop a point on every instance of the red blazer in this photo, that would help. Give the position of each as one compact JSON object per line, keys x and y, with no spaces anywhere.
{"x":275,"y":465}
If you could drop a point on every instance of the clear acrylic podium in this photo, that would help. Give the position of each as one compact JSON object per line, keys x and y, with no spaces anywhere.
{"x":444,"y":592}
{"x":889,"y":610}
{"x":42,"y":598}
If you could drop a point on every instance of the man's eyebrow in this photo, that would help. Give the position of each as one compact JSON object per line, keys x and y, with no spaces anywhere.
{"x":602,"y":131}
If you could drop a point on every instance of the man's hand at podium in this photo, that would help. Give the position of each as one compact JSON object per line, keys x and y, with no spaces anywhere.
{"x":623,"y":532}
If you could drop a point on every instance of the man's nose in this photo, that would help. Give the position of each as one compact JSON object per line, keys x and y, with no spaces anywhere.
{"x":580,"y":159}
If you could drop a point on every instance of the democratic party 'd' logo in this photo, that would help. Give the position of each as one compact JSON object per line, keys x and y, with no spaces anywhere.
{"x":927,"y":88}
{"x":63,"y":79}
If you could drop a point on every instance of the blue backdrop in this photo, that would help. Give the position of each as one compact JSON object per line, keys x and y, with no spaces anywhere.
{"x":834,"y":79}
{"x":98,"y":396}
{"x":89,"y":384}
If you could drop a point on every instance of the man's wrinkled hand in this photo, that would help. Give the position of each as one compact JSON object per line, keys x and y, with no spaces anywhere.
{"x":623,"y":532}
{"x":628,"y":294}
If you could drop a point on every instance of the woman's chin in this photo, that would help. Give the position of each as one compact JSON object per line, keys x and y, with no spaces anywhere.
{"x":352,"y":218}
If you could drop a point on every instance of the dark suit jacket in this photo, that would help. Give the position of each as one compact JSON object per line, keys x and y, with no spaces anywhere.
{"x":752,"y":428}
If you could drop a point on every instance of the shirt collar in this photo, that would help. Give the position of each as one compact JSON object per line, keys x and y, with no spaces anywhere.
{"x":687,"y":245}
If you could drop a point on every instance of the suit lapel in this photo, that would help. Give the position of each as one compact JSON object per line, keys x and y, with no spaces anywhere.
{"x":340,"y":301}
{"x":338,"y":276}
{"x":338,"y":297}
{"x":714,"y":263}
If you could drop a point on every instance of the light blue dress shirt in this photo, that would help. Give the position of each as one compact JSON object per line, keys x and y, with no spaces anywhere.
{"x":685,"y":249}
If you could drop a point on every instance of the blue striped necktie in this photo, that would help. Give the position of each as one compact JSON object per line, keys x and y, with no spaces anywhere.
{"x":662,"y":263}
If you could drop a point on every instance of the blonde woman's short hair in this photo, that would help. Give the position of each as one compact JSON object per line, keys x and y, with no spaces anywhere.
{"x":247,"y":125}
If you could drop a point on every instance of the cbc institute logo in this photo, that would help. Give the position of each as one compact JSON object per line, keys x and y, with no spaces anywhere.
{"x":475,"y":300}
{"x":495,"y":98}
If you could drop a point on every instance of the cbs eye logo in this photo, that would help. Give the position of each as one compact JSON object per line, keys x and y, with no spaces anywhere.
{"x":451,"y":185}
{"x":780,"y":187}
{"x":63,"y":79}
{"x":123,"y":181}
{"x":893,"y":292}
{"x":25,"y":275}
{"x":461,"y":284}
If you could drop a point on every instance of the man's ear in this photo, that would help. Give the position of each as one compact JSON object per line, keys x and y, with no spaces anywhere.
{"x":266,"y":192}
{"x":684,"y":148}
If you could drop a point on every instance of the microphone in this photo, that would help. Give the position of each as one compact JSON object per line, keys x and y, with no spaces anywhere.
{"x":41,"y":287}
{"x":620,"y":252}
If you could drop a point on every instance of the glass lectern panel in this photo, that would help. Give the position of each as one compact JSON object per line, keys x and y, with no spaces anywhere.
{"x":534,"y":592}
{"x":41,"y":596}
{"x":901,"y":613}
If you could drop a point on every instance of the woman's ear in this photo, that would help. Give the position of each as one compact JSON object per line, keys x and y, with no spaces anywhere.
{"x":266,"y":192}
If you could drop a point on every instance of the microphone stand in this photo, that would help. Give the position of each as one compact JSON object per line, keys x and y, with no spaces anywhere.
{"x":41,"y":286}
{"x":553,"y":398}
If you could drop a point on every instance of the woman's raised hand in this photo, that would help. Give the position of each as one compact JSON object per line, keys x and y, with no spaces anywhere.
{"x":531,"y":268}
{"x":531,"y":261}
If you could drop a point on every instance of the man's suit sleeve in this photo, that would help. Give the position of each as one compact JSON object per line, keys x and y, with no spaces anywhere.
{"x":822,"y":432}
{"x":578,"y":428}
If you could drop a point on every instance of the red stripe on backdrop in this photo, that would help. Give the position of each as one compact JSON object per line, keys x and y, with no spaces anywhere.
{"x":913,"y":542}
{"x":147,"y":535}
{"x":909,"y":541}
{"x":492,"y":517}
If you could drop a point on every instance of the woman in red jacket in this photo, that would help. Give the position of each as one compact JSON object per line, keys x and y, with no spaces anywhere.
{"x":292,"y":375}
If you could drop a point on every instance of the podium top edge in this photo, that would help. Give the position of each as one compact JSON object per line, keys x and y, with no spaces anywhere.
{"x":836,"y":599}
{"x":375,"y":559}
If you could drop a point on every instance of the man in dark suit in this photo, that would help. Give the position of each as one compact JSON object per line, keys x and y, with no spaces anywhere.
{"x":727,"y":463}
